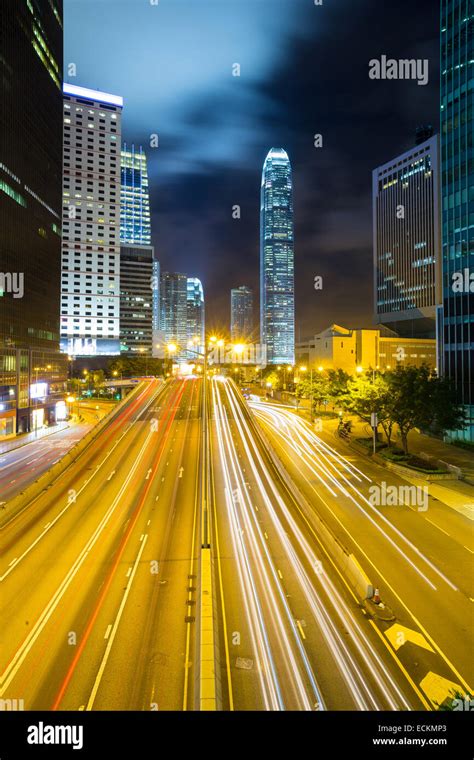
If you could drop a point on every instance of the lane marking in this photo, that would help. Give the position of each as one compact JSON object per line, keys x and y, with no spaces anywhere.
{"x":107,"y":633}
{"x":438,"y":689}
{"x":114,"y":629}
{"x":398,"y":635}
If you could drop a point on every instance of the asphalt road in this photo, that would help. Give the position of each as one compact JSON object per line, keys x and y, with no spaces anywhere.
{"x":23,"y":465}
{"x":293,"y":636}
{"x":95,"y":575}
{"x":419,"y":555}
{"x":99,"y":574}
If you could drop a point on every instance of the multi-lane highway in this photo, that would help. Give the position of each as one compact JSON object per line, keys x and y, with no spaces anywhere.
{"x":420,"y":555}
{"x":101,"y":588}
{"x":98,"y":573}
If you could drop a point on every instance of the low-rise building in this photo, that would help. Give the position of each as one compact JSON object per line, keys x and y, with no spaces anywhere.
{"x":347,"y":349}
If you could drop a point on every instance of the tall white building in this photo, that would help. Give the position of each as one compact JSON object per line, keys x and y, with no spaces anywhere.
{"x":90,"y":290}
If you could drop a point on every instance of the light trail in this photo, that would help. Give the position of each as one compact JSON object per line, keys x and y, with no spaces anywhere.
{"x":355,"y":680}
{"x":308,"y":447}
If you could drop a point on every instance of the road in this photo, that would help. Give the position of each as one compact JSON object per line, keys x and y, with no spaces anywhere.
{"x":421,"y":559}
{"x":292,"y":634}
{"x":97,"y":572}
{"x":100,"y":574}
{"x":21,"y":466}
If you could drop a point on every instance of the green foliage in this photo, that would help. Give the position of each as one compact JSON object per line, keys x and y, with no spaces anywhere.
{"x":420,"y":399}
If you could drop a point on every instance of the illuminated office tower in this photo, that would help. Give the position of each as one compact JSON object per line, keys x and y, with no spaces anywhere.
{"x":195,"y":314}
{"x":135,"y":228}
{"x":277,"y":297}
{"x":33,"y":372}
{"x":457,"y":163}
{"x":241,"y":313}
{"x":174,"y":310}
{"x":407,"y":241}
{"x":139,"y":271}
{"x":90,"y":297}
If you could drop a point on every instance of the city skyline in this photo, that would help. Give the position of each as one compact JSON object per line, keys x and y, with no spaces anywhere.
{"x":258,"y":109}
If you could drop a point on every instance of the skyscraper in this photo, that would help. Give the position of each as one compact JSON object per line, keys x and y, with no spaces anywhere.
{"x":277,"y":296}
{"x":135,"y":228}
{"x":457,"y":147}
{"x":241,"y":313}
{"x":136,"y":299}
{"x":90,"y":298}
{"x":195,"y":315}
{"x":173,"y":307}
{"x":139,"y":272}
{"x":32,"y":371}
{"x":407,"y":241}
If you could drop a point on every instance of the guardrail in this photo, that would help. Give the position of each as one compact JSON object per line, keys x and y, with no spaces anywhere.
{"x":46,"y":480}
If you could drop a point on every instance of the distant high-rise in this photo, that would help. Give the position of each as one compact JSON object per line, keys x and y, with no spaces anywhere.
{"x":173,"y":308}
{"x":277,"y":295}
{"x":195,"y":315}
{"x":135,"y":228}
{"x":136,"y":299}
{"x":139,"y":271}
{"x":90,"y":298}
{"x":32,"y":370}
{"x":241,"y":313}
{"x":407,"y":241}
{"x":457,"y":149}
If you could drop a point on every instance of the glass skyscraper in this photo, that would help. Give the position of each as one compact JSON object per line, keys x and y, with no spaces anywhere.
{"x":277,"y":293}
{"x":135,"y":228}
{"x":33,"y":373}
{"x":241,"y":313}
{"x":457,"y":157}
{"x":195,"y":315}
{"x":406,"y":234}
{"x":173,"y":309}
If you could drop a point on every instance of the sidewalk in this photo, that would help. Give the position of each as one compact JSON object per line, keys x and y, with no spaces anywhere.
{"x":22,"y":440}
{"x":457,"y":494}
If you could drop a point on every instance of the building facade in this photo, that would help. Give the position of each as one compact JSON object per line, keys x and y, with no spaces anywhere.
{"x":347,"y":349}
{"x":136,"y":299}
{"x":139,"y":271}
{"x":241,"y":313}
{"x":277,"y":293}
{"x":90,"y":293}
{"x":135,"y":225}
{"x":33,"y":373}
{"x":195,"y":316}
{"x":174,"y":311}
{"x":457,"y":159}
{"x":407,"y":241}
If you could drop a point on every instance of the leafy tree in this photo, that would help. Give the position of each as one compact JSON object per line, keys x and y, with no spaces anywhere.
{"x":317,"y":389}
{"x":420,"y":399}
{"x":367,"y":395}
{"x":338,"y":382}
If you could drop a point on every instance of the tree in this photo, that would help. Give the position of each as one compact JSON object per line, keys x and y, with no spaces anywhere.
{"x":368,"y":395}
{"x":418,"y":398}
{"x":317,"y":389}
{"x":338,"y":381}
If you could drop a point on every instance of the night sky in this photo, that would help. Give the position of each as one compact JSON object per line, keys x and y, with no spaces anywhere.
{"x":304,"y":70}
